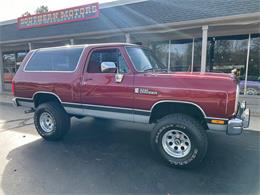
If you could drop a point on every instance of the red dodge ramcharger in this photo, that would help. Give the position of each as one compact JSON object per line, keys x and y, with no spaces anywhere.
{"x":126,"y":82}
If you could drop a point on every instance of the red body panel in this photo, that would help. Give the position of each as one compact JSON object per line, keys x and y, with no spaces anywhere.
{"x":214,"y":93}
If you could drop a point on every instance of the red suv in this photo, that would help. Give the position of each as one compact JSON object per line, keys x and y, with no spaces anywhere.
{"x":126,"y":82}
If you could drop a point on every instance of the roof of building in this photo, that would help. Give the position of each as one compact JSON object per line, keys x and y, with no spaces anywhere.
{"x":137,"y":14}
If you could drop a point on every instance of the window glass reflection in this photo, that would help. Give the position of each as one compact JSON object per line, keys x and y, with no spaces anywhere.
{"x":253,"y":78}
{"x":161,"y":50}
{"x":181,"y":52}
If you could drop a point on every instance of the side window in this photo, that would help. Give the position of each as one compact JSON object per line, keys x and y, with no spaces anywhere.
{"x":62,"y":59}
{"x":106,"y":55}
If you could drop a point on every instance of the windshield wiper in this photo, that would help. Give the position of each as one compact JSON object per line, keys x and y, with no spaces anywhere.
{"x":155,"y":70}
{"x":148,"y":70}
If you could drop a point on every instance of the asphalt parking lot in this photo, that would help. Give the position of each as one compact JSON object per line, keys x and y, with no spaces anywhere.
{"x":115,"y":158}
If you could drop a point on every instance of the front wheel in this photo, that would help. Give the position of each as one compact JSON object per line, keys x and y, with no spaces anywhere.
{"x":51,"y":121}
{"x":180,"y":140}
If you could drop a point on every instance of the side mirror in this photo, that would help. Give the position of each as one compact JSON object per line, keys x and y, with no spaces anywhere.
{"x":108,"y":67}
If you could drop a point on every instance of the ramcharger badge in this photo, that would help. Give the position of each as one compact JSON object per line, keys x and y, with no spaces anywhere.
{"x":145,"y":91}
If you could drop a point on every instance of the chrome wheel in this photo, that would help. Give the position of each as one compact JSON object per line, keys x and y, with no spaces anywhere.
{"x":251,"y":91}
{"x":46,"y":122}
{"x":176,"y":143}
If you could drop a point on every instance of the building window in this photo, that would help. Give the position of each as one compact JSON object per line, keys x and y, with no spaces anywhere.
{"x":230,"y":52}
{"x":181,"y":55}
{"x":253,"y":77}
{"x":161,"y":51}
{"x":11,"y":63}
{"x":227,"y":53}
{"x":197,"y":55}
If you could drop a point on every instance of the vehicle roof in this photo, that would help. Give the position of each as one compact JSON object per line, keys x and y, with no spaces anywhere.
{"x":88,"y":45}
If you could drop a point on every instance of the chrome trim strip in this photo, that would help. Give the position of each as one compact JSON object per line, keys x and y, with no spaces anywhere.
{"x":17,"y":97}
{"x":176,"y":101}
{"x":216,"y":127}
{"x":108,"y":114}
{"x":80,"y":104}
{"x":15,"y":104}
{"x":33,"y":52}
{"x":109,"y":107}
{"x":148,"y":112}
{"x":237,"y":99}
{"x":214,"y":118}
{"x":74,"y":111}
{"x":46,"y":92}
{"x":141,"y":118}
{"x":49,"y":71}
{"x":24,"y":102}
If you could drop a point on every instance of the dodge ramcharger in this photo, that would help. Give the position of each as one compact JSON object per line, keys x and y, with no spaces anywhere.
{"x":127,"y":82}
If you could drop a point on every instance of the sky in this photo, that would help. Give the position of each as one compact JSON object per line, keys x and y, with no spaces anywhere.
{"x":12,"y":9}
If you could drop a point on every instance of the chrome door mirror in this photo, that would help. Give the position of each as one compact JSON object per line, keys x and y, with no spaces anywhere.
{"x":119,"y":77}
{"x":108,"y":67}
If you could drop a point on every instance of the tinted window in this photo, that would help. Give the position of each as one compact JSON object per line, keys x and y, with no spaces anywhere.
{"x":108,"y":55}
{"x":65,"y":59}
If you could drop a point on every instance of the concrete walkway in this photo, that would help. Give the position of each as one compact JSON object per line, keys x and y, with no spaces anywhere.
{"x":6,"y":98}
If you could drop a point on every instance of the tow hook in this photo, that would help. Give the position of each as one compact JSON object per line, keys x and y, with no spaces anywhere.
{"x":29,"y":111}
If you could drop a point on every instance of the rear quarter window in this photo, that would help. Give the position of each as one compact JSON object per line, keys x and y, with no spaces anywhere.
{"x":65,"y":59}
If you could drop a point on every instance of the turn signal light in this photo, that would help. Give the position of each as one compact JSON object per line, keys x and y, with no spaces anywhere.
{"x":219,"y":122}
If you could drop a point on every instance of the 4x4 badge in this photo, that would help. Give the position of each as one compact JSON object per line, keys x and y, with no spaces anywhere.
{"x":145,"y":91}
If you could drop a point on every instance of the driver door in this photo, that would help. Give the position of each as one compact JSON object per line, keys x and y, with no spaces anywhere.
{"x":103,"y":96}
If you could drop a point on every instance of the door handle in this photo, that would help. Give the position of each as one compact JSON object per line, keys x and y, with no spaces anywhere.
{"x":86,"y":80}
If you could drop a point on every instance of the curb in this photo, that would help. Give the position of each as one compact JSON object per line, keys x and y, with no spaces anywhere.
{"x":6,"y":103}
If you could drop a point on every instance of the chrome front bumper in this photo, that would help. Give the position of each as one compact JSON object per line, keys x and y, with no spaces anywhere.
{"x":15,"y":103}
{"x":235,"y":125}
{"x":241,"y":121}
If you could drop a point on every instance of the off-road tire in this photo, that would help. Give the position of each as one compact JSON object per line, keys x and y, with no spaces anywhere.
{"x":60,"y":117}
{"x":190,"y":127}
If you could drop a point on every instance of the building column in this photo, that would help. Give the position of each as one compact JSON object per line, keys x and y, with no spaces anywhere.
{"x":247,"y":63}
{"x":30,"y":46}
{"x":169,"y":57}
{"x":192,"y":54}
{"x":127,"y":38}
{"x":204,"y":48}
{"x":72,"y":41}
{"x":1,"y":71}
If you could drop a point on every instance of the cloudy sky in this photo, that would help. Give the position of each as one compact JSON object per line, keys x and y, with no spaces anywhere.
{"x":12,"y":9}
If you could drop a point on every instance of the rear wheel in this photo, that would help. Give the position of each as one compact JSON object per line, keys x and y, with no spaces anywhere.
{"x":180,"y":140}
{"x":51,"y":121}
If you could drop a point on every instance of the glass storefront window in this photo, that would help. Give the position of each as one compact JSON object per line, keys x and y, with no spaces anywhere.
{"x":11,"y":63}
{"x":161,"y":51}
{"x":197,"y":55}
{"x":224,"y":54}
{"x":9,"y":67}
{"x":181,"y":55}
{"x":253,"y":77}
{"x":230,"y":52}
{"x":227,"y":53}
{"x":20,"y":56}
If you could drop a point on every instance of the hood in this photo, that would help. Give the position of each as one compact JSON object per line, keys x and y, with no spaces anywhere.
{"x":201,"y":75}
{"x":195,"y":80}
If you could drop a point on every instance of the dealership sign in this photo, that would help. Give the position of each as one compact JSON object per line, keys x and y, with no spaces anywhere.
{"x":60,"y":16}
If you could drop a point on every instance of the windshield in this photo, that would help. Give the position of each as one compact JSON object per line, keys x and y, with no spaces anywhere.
{"x":144,"y":60}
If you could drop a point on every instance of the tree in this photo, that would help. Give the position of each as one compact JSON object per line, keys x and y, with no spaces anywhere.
{"x":41,"y":9}
{"x":26,"y":14}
